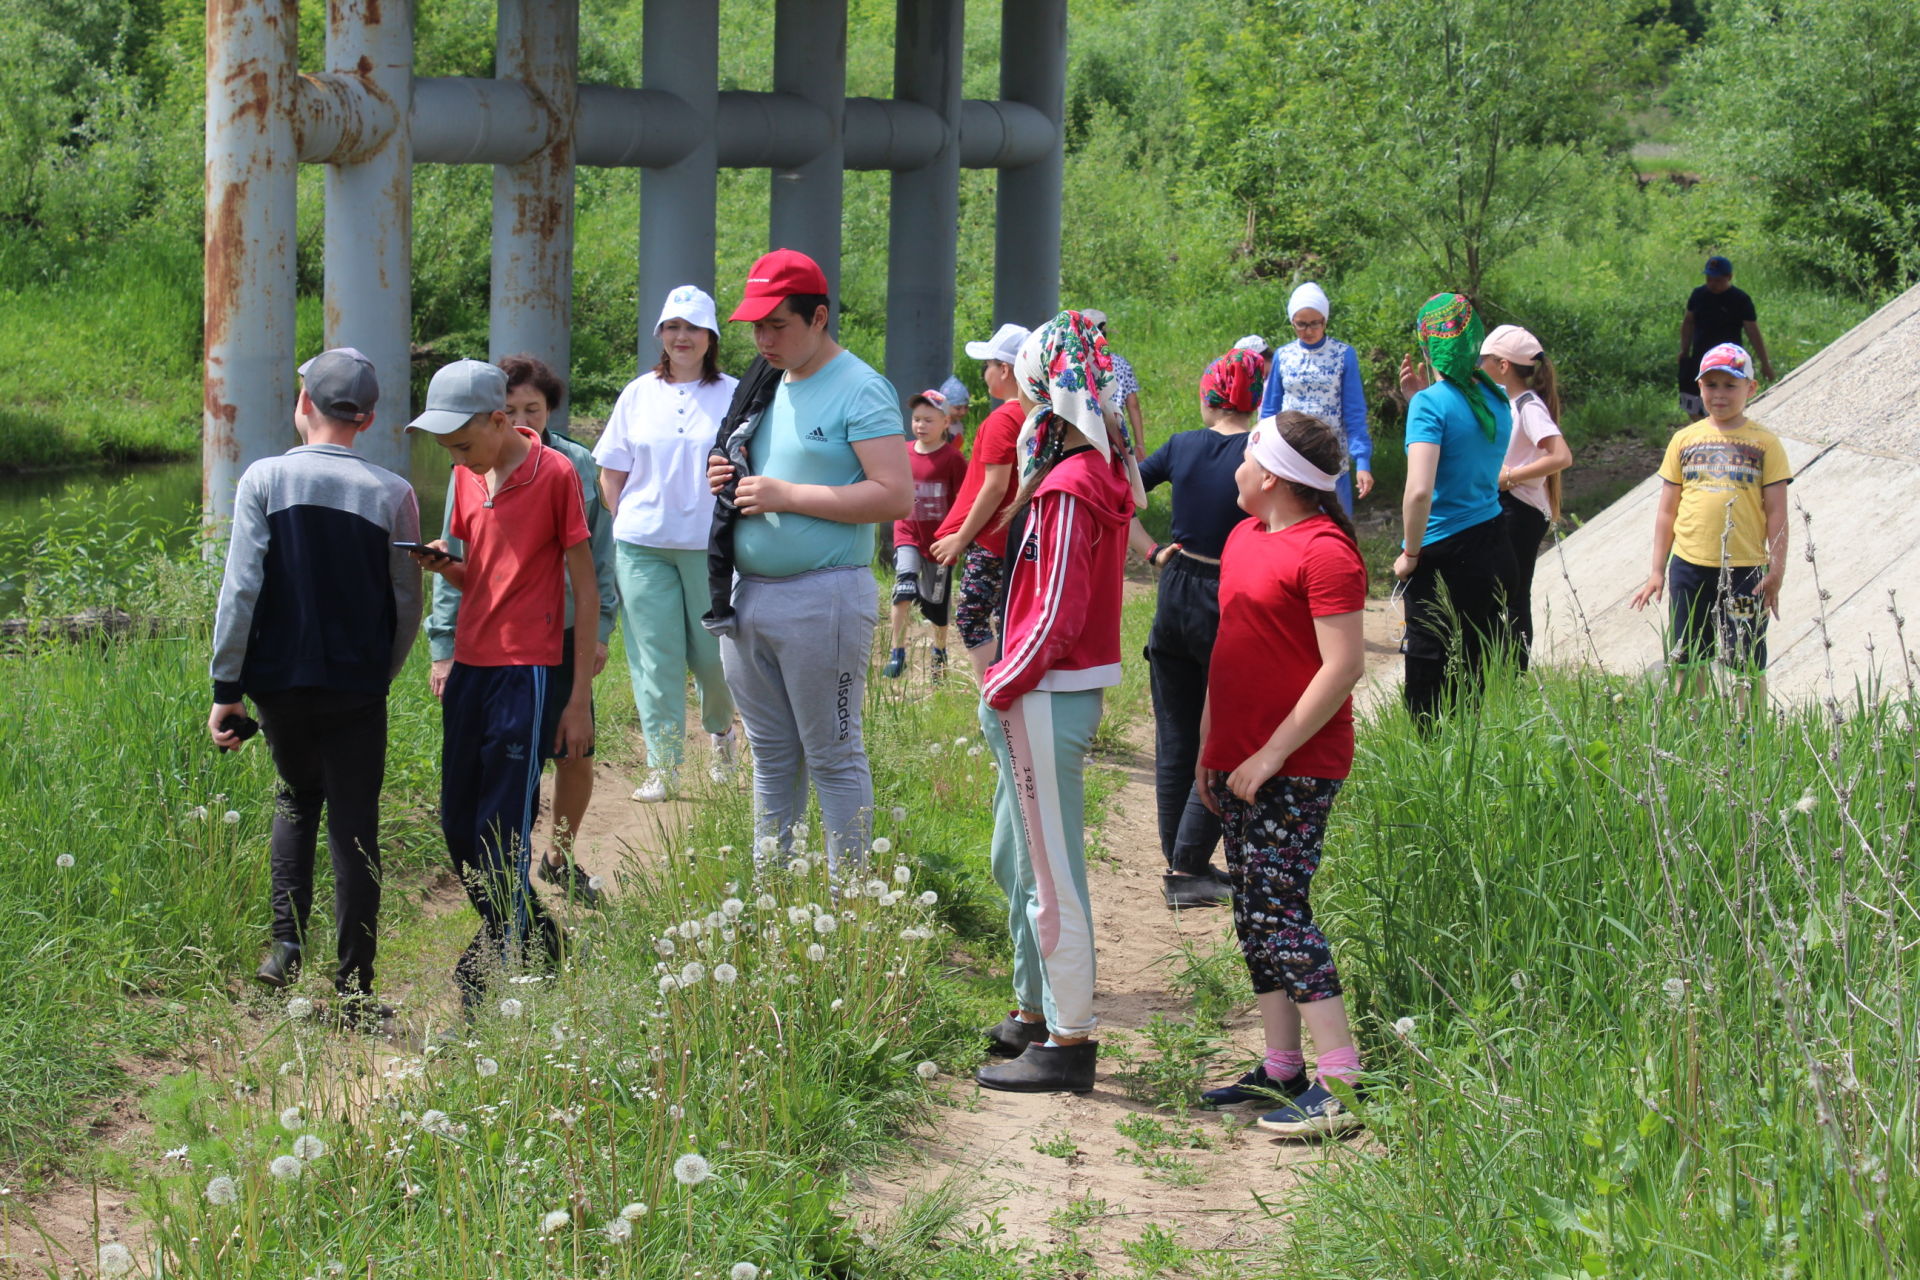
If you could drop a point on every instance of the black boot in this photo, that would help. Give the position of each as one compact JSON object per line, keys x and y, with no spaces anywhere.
{"x":1044,"y":1068}
{"x":281,"y":966}
{"x":1194,"y":891}
{"x":1010,"y":1037}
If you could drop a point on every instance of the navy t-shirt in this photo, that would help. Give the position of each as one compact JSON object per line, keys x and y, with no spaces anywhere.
{"x":1200,"y":465}
{"x":1717,"y":318}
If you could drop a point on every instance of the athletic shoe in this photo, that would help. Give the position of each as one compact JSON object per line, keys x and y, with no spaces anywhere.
{"x":281,"y":966}
{"x":1194,"y":891}
{"x":659,"y":784}
{"x":1044,"y":1068}
{"x":939,"y":665}
{"x":1315,"y":1113}
{"x":896,"y":664}
{"x":574,"y":882}
{"x":720,"y":764}
{"x":1010,"y":1037}
{"x":1257,"y":1086}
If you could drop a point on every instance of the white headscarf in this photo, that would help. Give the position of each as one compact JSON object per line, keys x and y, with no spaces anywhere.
{"x":1309,"y":295}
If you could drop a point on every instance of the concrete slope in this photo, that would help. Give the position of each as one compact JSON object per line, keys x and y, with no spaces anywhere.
{"x":1850,"y":420}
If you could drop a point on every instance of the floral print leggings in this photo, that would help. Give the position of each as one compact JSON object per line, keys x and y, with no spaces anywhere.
{"x":981,"y":576}
{"x":1273,"y":849}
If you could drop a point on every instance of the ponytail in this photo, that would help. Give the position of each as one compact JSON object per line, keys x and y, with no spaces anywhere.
{"x":1545,"y":383}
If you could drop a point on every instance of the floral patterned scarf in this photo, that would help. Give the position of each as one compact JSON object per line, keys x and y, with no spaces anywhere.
{"x":1451,"y":334}
{"x":1234,"y":381}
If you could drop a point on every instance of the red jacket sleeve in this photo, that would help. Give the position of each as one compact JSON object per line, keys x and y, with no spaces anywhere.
{"x":1047,"y":597}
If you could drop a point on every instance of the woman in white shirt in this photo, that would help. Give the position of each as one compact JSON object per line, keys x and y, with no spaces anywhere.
{"x":653,"y":478}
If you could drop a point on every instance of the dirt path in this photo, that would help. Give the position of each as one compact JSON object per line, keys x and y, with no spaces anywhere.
{"x":1089,"y":1189}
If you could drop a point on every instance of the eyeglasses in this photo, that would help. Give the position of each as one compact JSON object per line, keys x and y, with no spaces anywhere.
{"x":1303,"y":325}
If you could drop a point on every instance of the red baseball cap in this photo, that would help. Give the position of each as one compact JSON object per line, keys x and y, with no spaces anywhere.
{"x":777,"y":276}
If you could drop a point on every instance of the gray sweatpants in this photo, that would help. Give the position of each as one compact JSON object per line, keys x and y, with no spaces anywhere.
{"x":797,"y":666}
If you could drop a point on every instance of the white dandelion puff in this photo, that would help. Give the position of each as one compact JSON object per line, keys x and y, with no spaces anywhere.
{"x":836,"y":1006}
{"x":308,"y":1147}
{"x":596,"y":883}
{"x":657,"y":1053}
{"x":766,"y":902}
{"x":928,"y":898}
{"x":733,"y":908}
{"x":618,"y":1230}
{"x":486,"y":1067}
{"x":669,"y":984}
{"x":671,"y":931}
{"x":901,"y":875}
{"x":927,"y":1070}
{"x":889,"y":899}
{"x":961,"y":742}
{"x":293,"y":1120}
{"x":1675,"y":990}
{"x":633,"y":1212}
{"x":692,"y":972}
{"x":557,"y":1220}
{"x":176,"y":1153}
{"x":799,"y":866}
{"x":221,"y":1191}
{"x":665,"y":946}
{"x":816,"y":952}
{"x":691,"y":1170}
{"x":744,"y":1271}
{"x":899,"y":813}
{"x":1519,"y":980}
{"x":299,"y":1007}
{"x":117,"y":1260}
{"x":769,"y":846}
{"x":511,"y":1008}
{"x":725,"y":974}
{"x":876,"y":888}
{"x":798,"y":915}
{"x":975,"y":750}
{"x":825,"y":924}
{"x":285,"y":1168}
{"x":1403,"y":1027}
{"x":198,"y":813}
{"x":716,"y":921}
{"x":691,"y":929}
{"x":1807,"y":803}
{"x":882,"y":845}
{"x":231,"y":817}
{"x":64,"y":860}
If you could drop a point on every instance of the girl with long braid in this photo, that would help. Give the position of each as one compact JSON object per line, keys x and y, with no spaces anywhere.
{"x":1066,"y":558}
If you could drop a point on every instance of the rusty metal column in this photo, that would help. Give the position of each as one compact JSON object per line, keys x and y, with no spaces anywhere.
{"x":680,"y":55}
{"x":1026,"y":238}
{"x":532,"y":309}
{"x":369,"y":228}
{"x":924,"y":222}
{"x":251,"y":166}
{"x":810,"y":62}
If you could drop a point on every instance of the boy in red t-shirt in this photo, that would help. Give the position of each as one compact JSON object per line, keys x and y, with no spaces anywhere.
{"x":938,"y":470}
{"x":973,"y":528}
{"x":516,"y":506}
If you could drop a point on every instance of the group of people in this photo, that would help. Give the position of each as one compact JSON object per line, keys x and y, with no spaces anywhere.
{"x":726,"y":525}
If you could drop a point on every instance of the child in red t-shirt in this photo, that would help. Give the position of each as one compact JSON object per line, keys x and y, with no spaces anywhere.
{"x":516,"y":506}
{"x":1278,"y":744}
{"x":938,"y":470}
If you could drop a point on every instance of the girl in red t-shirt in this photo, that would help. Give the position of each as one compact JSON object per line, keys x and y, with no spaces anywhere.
{"x":1278,"y":745}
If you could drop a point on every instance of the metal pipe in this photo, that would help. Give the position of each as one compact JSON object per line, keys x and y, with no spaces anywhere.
{"x":336,"y":120}
{"x":248,"y":389}
{"x":924,"y":221}
{"x":537,"y":43}
{"x":681,"y":56}
{"x":368,"y":247}
{"x":806,"y":193}
{"x":1004,"y":135}
{"x":883,"y":133}
{"x":1026,"y":238}
{"x":625,"y":128}
{"x":466,"y":120}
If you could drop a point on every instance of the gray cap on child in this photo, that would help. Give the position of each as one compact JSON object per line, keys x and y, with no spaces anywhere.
{"x":341,"y":384}
{"x":457,"y":392}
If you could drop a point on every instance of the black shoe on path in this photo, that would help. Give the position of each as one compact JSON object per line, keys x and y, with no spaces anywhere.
{"x":573,"y":881}
{"x":1044,"y":1068}
{"x":1194,"y":891}
{"x":1257,"y":1086}
{"x":281,"y":966}
{"x":1010,"y":1037}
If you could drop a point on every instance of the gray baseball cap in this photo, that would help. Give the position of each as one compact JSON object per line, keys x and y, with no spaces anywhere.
{"x":457,"y":392}
{"x":341,"y":384}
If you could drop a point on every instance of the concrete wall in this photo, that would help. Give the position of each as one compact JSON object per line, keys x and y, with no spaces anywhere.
{"x":1850,"y":420}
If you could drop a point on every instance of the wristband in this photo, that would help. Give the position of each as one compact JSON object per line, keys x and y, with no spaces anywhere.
{"x":1153,"y":556}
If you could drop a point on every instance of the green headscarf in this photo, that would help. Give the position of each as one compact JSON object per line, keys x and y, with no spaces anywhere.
{"x":1451,"y":334}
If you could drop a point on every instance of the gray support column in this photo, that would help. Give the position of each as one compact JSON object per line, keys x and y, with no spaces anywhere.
{"x":369,"y":229}
{"x":1026,"y":241}
{"x":680,"y":55}
{"x":532,"y":304}
{"x":249,"y":386}
{"x":923,"y":226}
{"x":810,"y":63}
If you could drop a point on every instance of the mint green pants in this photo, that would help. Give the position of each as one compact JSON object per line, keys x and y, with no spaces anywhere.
{"x":662,"y":595}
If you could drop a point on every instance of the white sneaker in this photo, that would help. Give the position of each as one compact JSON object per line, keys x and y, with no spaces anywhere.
{"x":720,"y":765}
{"x":658,"y":786}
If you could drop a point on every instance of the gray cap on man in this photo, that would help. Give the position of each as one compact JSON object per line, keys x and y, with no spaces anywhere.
{"x":341,"y":384}
{"x":457,"y":392}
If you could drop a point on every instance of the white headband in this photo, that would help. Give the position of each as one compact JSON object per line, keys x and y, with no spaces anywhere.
{"x":1271,"y":450}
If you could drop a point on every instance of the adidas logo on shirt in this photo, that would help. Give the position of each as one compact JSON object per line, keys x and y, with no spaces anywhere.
{"x":817,"y":434}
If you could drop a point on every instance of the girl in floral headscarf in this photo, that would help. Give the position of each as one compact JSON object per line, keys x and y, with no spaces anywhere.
{"x":1200,"y":466}
{"x":1066,"y":556}
{"x":1454,"y":532}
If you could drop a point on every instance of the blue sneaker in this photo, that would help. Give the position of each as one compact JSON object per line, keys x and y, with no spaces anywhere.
{"x":1314,"y":1113}
{"x":1256,"y":1086}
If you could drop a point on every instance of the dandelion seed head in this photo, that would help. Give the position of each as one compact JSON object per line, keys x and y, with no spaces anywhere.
{"x":901,"y":875}
{"x":691,"y":929}
{"x":691,"y":1170}
{"x":1807,"y":803}
{"x":744,"y":1271}
{"x":221,"y":1191}
{"x":596,"y":883}
{"x":64,"y":860}
{"x":669,"y":984}
{"x":928,"y":898}
{"x":882,"y":845}
{"x":725,"y":974}
{"x":486,"y":1067}
{"x":1675,"y":989}
{"x":198,"y":813}
{"x":308,"y":1147}
{"x":285,"y":1168}
{"x":876,"y":888}
{"x":927,"y":1070}
{"x":299,"y":1007}
{"x":733,"y":908}
{"x":716,"y":921}
{"x":766,"y":902}
{"x":231,"y":817}
{"x":293,"y":1120}
{"x":825,"y":924}
{"x":117,"y":1260}
{"x":815,"y":953}
{"x":557,"y":1220}
{"x":511,"y":1008}
{"x":633,"y":1212}
{"x":799,"y":866}
{"x":665,"y":946}
{"x":974,"y":750}
{"x":798,"y":915}
{"x":769,"y":846}
{"x":1403,"y":1027}
{"x":618,"y":1230}
{"x":836,"y":1006}
{"x":1519,"y":980}
{"x":692,"y":972}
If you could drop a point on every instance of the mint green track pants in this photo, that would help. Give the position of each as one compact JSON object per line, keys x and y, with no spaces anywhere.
{"x":1039,"y":850}
{"x":662,"y":595}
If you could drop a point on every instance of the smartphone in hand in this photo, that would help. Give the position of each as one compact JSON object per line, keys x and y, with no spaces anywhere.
{"x":426,"y":550}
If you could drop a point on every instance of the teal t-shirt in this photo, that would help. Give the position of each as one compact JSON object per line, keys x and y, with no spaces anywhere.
{"x":807,"y":438}
{"x":1466,"y":489}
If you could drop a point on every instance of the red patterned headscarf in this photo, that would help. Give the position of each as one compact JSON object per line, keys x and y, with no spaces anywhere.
{"x":1234,"y":381}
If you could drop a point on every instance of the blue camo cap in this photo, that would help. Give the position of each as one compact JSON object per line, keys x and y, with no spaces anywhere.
{"x":457,"y":392}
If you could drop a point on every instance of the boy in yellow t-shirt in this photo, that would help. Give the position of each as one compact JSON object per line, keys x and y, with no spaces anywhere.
{"x":1720,"y":531}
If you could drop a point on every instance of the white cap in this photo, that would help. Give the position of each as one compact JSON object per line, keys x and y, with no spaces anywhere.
{"x":1003,"y":346}
{"x":690,"y":303}
{"x":1252,"y":342}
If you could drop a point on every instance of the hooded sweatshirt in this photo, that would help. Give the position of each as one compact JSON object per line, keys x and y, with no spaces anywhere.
{"x":1064,"y":580}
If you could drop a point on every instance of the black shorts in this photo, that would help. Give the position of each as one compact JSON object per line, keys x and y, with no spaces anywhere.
{"x":559,"y":693}
{"x":1715,"y":614}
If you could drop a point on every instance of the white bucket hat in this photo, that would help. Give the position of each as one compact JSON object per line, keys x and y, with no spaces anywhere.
{"x":693,"y":304}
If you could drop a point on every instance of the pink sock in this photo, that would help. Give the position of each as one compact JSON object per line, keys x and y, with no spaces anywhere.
{"x":1340,"y":1064}
{"x":1284,"y":1064}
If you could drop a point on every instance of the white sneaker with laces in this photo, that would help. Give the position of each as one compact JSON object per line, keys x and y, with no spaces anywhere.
{"x":659,"y":784}
{"x":720,"y":765}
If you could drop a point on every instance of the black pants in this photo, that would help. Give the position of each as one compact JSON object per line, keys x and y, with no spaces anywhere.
{"x":1526,"y":526}
{"x":1456,"y":615}
{"x":1186,"y":618}
{"x":330,"y":749}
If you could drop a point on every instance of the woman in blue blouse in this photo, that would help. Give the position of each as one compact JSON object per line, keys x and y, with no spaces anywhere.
{"x":1319,"y":375}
